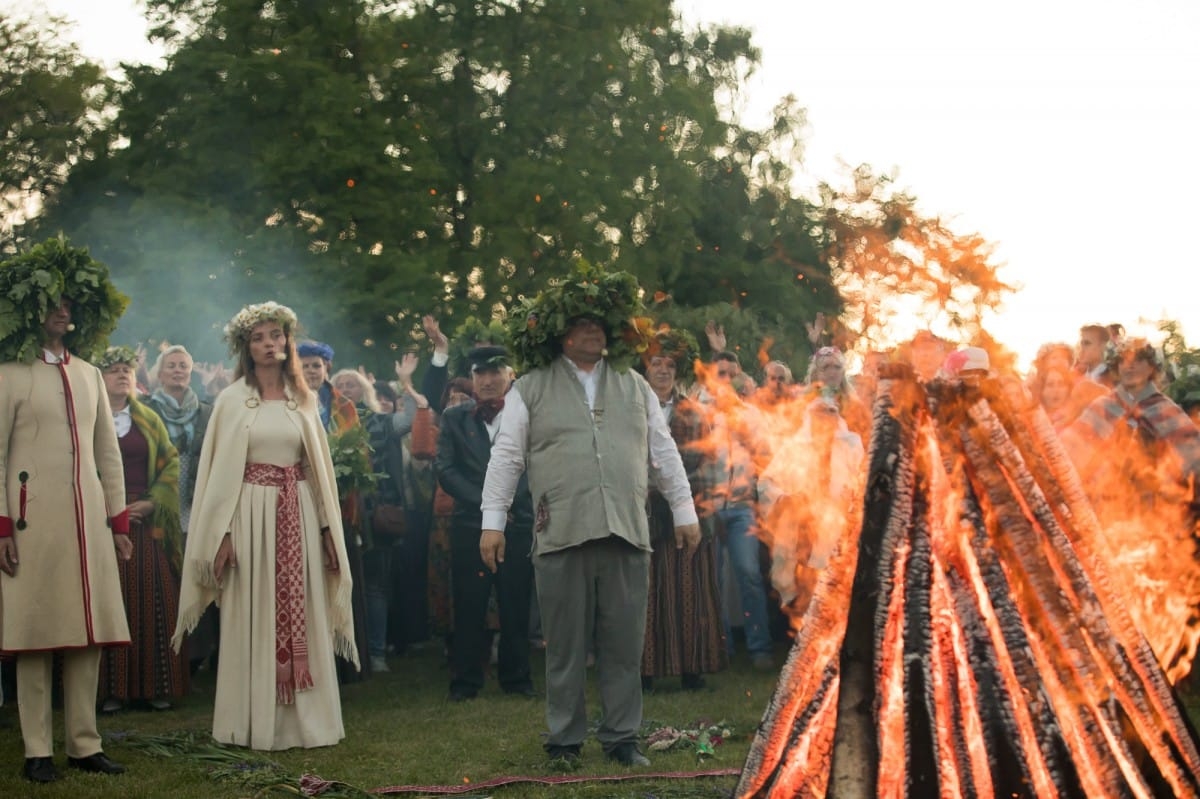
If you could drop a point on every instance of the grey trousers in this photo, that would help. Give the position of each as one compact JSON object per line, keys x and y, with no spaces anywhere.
{"x":593,"y":596}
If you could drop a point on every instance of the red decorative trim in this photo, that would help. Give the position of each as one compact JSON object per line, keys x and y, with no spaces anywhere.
{"x":313,"y":783}
{"x":120,"y":523}
{"x":6,"y":527}
{"x":77,"y":496}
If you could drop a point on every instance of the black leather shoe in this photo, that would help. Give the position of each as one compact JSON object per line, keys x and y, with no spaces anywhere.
{"x":564,"y":758}
{"x":98,"y":763}
{"x":40,"y":769}
{"x":461,"y":696}
{"x":627,"y":754}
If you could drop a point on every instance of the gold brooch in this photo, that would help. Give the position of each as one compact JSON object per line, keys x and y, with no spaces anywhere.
{"x":252,"y":401}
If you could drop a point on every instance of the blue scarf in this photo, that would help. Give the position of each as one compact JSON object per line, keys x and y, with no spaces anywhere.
{"x":180,"y":418}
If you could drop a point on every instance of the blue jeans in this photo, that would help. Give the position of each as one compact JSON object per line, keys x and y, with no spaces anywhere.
{"x":377,"y":569}
{"x":743,"y":546}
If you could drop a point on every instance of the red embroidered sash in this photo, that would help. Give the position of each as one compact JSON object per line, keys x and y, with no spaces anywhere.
{"x":291,"y":628}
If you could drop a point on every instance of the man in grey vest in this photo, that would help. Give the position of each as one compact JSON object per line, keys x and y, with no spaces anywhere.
{"x":590,"y":434}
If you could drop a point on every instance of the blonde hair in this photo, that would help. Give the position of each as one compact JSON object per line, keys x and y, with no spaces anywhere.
{"x":370,"y":399}
{"x":156,"y":367}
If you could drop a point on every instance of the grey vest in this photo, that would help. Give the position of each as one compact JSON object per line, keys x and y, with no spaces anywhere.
{"x":588,"y":469}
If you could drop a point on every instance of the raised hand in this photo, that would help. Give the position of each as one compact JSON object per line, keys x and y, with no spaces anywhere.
{"x":433,"y":330}
{"x":405,"y":367}
{"x":716,"y":336}
{"x":815,"y":328}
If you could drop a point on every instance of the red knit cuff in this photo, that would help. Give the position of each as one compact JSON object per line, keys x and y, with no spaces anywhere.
{"x":6,"y":527}
{"x":120,"y":523}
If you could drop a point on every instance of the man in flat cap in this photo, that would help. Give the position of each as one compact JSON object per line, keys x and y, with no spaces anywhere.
{"x":464,"y":447}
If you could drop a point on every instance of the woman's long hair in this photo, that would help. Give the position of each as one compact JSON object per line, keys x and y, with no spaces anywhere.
{"x":369,"y":400}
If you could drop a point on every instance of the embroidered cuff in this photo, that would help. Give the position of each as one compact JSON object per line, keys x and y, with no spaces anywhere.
{"x":6,"y":527}
{"x":120,"y":523}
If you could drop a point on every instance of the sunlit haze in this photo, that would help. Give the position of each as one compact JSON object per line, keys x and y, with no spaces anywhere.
{"x":1066,"y":133}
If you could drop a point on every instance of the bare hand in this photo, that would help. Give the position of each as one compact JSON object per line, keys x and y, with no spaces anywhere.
{"x":491,"y":549}
{"x":329,"y":550}
{"x":405,"y":367}
{"x":716,"y":336}
{"x":225,"y":559}
{"x":815,"y":329}
{"x":141,"y":511}
{"x":124,"y":546}
{"x":687,"y":535}
{"x":8,"y":556}
{"x":433,"y":330}
{"x":362,"y":370}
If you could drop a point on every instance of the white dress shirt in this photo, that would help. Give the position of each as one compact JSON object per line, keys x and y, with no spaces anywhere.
{"x":123,"y":421}
{"x":507,"y":462}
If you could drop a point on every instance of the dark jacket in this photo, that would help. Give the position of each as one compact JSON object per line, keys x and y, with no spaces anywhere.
{"x":463,"y":451}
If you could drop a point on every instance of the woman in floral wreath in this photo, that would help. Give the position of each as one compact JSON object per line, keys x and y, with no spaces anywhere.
{"x":146,"y":671}
{"x":265,"y":540}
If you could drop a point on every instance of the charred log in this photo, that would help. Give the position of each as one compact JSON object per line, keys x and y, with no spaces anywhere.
{"x":968,"y":643}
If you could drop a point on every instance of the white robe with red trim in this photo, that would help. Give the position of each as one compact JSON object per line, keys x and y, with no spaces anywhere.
{"x":56,"y":431}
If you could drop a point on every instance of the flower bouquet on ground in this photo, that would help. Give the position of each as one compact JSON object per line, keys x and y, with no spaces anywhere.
{"x":702,"y":737}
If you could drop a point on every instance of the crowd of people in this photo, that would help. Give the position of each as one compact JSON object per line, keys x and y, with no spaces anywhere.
{"x":564,"y":485}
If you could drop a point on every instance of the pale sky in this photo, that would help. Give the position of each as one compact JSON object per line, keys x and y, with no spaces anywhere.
{"x":1066,"y":132}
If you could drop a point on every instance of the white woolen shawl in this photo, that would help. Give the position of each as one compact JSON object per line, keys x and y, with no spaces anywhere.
{"x":218,"y":487}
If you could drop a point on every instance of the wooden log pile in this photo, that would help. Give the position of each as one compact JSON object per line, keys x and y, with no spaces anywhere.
{"x":967,"y":642}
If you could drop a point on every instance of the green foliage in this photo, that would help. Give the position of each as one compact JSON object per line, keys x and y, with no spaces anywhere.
{"x":449,"y":157}
{"x":350,"y":451}
{"x":537,"y":326}
{"x":35,"y":282}
{"x":1183,"y":365}
{"x":51,"y":103}
{"x":367,"y":163}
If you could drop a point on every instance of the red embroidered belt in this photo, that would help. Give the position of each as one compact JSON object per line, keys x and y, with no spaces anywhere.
{"x":291,"y":629}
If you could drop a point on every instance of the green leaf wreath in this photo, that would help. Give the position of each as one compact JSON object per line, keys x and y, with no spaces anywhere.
{"x":536,"y":326}
{"x":34,"y":283}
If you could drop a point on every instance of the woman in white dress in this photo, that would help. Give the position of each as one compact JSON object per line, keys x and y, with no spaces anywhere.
{"x":265,"y":543}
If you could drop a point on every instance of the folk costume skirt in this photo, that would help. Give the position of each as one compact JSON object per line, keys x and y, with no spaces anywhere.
{"x":249,"y":709}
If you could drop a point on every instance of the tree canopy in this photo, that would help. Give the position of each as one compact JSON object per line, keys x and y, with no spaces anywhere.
{"x":367,"y":163}
{"x":51,"y":101}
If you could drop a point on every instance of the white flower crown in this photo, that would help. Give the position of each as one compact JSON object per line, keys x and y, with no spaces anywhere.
{"x":237,"y":332}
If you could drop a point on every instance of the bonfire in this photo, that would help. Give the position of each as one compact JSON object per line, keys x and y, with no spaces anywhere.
{"x":967,"y":641}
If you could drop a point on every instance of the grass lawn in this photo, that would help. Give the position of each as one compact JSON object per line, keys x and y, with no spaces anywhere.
{"x":402,"y":730}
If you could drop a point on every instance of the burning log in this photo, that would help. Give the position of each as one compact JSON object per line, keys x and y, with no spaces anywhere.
{"x":968,"y":643}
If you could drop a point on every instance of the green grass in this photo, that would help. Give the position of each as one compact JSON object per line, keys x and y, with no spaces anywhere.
{"x":401,"y":729}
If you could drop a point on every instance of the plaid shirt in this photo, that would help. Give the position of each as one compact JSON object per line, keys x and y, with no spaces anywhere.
{"x":1100,"y":437}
